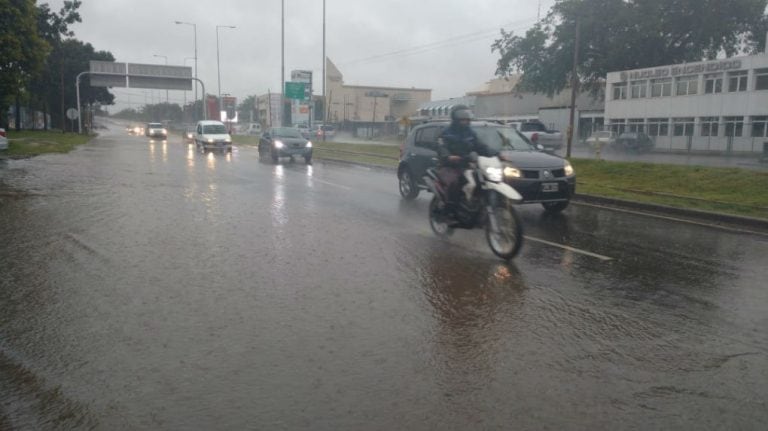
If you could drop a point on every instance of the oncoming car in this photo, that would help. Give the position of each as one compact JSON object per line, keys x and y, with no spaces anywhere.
{"x":212,"y":135}
{"x":538,"y":176}
{"x":156,"y":130}
{"x":284,"y":142}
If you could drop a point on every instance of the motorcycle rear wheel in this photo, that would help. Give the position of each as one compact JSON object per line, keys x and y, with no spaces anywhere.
{"x":507,"y":239}
{"x":437,"y":222}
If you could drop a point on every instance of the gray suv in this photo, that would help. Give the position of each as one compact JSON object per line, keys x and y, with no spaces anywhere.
{"x":539,"y":177}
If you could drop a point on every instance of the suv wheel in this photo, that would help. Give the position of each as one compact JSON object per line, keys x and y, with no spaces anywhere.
{"x":555,"y":207}
{"x":409,"y":190}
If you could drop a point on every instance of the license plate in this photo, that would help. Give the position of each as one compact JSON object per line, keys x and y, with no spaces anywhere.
{"x":549,"y":187}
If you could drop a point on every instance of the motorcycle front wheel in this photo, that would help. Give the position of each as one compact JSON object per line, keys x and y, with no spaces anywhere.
{"x":504,"y":230}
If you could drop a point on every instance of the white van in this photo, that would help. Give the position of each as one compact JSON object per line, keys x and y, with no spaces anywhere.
{"x":212,"y":135}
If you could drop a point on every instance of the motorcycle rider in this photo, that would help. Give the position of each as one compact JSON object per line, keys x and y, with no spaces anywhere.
{"x":456,"y":143}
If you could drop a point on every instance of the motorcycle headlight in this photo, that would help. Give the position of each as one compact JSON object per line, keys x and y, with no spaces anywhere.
{"x":511,"y":172}
{"x":279,"y":144}
{"x":568,"y":169}
{"x":309,"y":144}
{"x":493,"y":174}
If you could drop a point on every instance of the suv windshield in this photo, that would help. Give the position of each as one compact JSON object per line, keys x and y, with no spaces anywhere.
{"x":215,"y":129}
{"x":501,"y":138}
{"x":287,"y":132}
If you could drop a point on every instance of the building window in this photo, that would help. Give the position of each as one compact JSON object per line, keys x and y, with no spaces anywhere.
{"x":682,"y":126}
{"x":737,"y":81}
{"x":734,"y":126}
{"x":661,"y":87}
{"x":619,"y":91}
{"x":658,"y":127}
{"x":709,"y":126}
{"x":759,"y":126}
{"x":761,"y":79}
{"x":636,"y":125}
{"x":639,"y":89}
{"x":687,"y":85}
{"x":713,"y":83}
{"x":618,"y":126}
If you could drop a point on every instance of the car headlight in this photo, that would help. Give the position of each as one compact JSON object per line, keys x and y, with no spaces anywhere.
{"x":511,"y":172}
{"x":309,"y":144}
{"x":279,"y":144}
{"x":210,"y":140}
{"x":494,"y":174}
{"x":228,"y":140}
{"x":568,"y":169}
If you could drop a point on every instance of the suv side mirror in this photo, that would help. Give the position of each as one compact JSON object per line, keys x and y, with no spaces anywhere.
{"x":540,"y":147}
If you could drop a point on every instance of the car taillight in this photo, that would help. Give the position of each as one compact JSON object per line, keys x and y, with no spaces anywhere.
{"x":535,"y":138}
{"x":2,"y":133}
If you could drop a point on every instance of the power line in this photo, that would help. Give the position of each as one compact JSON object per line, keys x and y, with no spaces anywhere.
{"x":464,"y":38}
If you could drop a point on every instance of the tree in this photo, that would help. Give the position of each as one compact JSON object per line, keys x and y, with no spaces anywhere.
{"x":626,"y":34}
{"x":247,"y":107}
{"x":49,"y":86}
{"x":22,"y":50}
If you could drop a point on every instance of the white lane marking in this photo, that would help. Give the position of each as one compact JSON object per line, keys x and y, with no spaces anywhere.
{"x":330,"y":183}
{"x":569,"y":248}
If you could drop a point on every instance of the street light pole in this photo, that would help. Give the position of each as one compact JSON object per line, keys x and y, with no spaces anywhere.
{"x":166,"y":63}
{"x":282,"y":64}
{"x":194,"y":28}
{"x":326,"y":106}
{"x":218,"y":65}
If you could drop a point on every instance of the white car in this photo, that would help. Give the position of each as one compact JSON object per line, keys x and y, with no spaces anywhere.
{"x":3,"y":140}
{"x":212,"y":135}
{"x":253,"y":129}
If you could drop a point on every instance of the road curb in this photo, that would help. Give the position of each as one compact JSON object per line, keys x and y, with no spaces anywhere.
{"x":351,"y":163}
{"x":719,"y":218}
{"x":698,"y":215}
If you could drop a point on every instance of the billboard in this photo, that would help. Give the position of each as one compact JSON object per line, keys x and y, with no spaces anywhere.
{"x":275,"y":111}
{"x":229,"y":109}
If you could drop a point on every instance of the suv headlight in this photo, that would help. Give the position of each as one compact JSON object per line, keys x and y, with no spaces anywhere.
{"x":309,"y":144}
{"x":494,"y":174}
{"x":279,"y":144}
{"x":511,"y":172}
{"x":568,"y":169}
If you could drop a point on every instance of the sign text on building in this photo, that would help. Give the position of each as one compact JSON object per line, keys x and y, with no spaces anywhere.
{"x":686,"y":69}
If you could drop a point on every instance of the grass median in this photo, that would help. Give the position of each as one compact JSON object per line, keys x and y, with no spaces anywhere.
{"x":33,"y":143}
{"x":725,"y":190}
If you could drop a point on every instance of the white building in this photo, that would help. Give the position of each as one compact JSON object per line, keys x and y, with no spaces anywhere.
{"x":719,"y":105}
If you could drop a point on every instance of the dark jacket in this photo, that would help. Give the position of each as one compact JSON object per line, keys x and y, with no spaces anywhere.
{"x":459,"y":141}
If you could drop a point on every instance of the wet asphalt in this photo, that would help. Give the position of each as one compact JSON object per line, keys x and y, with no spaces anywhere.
{"x":147,"y":286}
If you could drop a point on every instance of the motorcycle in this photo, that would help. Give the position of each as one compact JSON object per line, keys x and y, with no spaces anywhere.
{"x":490,"y":206}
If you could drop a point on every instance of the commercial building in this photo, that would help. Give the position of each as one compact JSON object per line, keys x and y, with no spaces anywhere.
{"x":369,"y":109}
{"x":710,"y":106}
{"x":498,"y":99}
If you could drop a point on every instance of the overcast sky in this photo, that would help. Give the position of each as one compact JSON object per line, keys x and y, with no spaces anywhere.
{"x":455,"y":36}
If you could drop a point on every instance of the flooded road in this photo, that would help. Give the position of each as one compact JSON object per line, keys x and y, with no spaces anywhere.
{"x":147,"y":286}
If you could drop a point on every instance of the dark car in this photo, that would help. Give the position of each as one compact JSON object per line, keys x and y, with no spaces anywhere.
{"x":539,"y":177}
{"x":634,"y":141}
{"x":284,"y":142}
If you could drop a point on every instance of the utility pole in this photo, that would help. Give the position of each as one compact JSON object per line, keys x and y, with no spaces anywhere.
{"x":574,"y":87}
{"x":282,"y":64}
{"x":325,"y":102}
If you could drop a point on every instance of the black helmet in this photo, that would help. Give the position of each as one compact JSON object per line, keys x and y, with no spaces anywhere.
{"x":460,"y":112}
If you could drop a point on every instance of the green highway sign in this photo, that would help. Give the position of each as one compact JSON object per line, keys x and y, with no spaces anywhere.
{"x":295,"y":90}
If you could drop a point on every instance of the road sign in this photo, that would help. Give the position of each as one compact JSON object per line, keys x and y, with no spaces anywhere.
{"x":304,"y":76}
{"x":295,"y":90}
{"x":72,"y":114}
